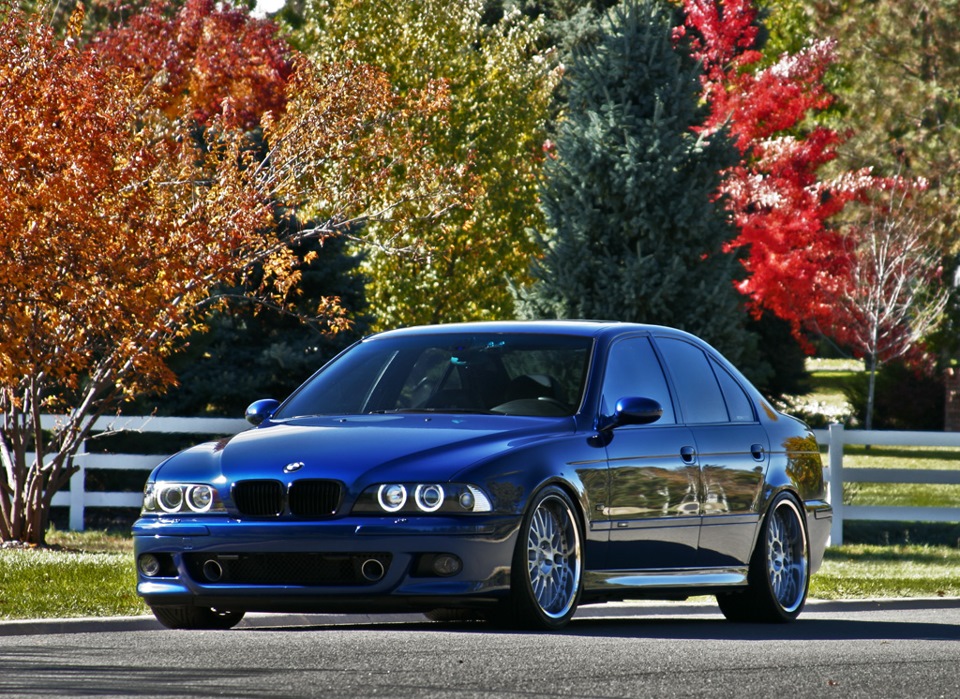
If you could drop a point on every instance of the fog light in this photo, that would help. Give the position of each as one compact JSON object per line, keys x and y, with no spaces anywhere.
{"x":149,"y":565}
{"x":447,"y":564}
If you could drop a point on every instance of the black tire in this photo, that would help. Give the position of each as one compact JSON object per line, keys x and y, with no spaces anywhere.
{"x":779,"y":574}
{"x":547,"y":573}
{"x":196,"y":618}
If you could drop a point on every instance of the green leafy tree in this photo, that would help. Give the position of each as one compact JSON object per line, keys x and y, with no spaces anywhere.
{"x":567,"y":24}
{"x":634,"y":228}
{"x":898,"y":68}
{"x":500,"y":91}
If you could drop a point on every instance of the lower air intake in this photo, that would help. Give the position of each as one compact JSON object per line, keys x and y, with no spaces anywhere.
{"x":307,"y":569}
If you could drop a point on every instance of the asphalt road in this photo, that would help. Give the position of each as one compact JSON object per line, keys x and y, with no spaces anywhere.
{"x":892,"y":649}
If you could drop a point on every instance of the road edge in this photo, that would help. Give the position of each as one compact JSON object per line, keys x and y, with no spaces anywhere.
{"x":31,"y":627}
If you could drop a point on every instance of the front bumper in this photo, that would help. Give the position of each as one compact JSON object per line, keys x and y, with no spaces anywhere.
{"x":324,"y":566}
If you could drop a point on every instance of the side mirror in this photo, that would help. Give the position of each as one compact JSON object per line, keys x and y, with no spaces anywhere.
{"x":634,"y":411}
{"x":261,"y":410}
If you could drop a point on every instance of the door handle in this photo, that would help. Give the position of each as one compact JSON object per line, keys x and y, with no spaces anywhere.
{"x":757,"y":451}
{"x":688,"y":455}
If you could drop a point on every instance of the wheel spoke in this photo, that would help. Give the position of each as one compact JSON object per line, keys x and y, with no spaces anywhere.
{"x":786,"y":557}
{"x":553,"y":557}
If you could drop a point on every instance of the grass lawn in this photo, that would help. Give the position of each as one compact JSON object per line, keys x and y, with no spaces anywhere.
{"x":92,"y":574}
{"x":901,"y":494}
{"x":857,"y":571}
{"x":89,"y":574}
{"x":826,"y":401}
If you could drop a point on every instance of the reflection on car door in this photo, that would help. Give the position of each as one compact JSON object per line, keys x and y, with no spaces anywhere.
{"x":732,"y":449}
{"x":654,"y":500}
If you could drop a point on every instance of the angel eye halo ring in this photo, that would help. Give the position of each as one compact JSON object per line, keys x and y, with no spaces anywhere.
{"x":423,"y":498}
{"x":180,"y":498}
{"x":392,"y":497}
{"x":429,"y":498}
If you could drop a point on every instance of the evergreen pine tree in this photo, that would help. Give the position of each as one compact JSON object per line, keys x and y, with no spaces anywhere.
{"x":634,"y":228}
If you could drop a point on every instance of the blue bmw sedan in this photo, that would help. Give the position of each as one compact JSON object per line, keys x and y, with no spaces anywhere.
{"x":506,"y":471}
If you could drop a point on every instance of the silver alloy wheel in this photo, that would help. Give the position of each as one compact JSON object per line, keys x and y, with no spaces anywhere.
{"x":553,"y":557}
{"x":787,"y":565}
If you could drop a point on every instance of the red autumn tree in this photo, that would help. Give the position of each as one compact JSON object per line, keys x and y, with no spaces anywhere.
{"x":870,"y":282}
{"x":122,"y":206}
{"x":203,"y":56}
{"x":797,"y":262}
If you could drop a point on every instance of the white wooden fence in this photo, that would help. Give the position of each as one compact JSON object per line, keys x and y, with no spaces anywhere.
{"x":836,"y":437}
{"x":78,"y":499}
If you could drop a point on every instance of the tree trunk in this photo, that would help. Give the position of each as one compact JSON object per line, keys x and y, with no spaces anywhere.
{"x":27,"y":485}
{"x":871,"y":389}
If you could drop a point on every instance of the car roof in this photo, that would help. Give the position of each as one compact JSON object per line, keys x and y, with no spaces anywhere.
{"x":584,"y":328}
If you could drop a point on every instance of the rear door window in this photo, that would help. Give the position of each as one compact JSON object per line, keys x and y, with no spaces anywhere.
{"x":701,"y":400}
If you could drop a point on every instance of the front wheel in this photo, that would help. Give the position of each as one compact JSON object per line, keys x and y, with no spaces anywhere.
{"x":779,"y":569}
{"x":196,"y":618}
{"x":547,"y":570}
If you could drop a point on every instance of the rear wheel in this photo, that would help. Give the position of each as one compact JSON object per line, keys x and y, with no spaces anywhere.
{"x":779,"y":569}
{"x":196,"y":618}
{"x":547,"y":568}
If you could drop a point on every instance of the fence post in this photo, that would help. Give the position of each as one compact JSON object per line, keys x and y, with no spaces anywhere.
{"x":835,"y":443}
{"x":77,"y":490}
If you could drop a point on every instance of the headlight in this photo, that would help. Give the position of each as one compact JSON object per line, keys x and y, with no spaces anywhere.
{"x":170,"y":497}
{"x":200,"y":498}
{"x":429,"y":497}
{"x":392,"y":498}
{"x":423,"y":498}
{"x":180,"y":498}
{"x":475,"y":500}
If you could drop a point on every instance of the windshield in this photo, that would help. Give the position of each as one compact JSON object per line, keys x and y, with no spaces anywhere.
{"x":500,"y":373}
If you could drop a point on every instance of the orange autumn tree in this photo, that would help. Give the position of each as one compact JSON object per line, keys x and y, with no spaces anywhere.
{"x":116,"y":221}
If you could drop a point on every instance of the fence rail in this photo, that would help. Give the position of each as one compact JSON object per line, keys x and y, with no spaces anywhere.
{"x":834,"y":438}
{"x":77,"y":499}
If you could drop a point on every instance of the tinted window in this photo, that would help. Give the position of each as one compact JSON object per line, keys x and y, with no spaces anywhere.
{"x":739,"y":405}
{"x":522,"y":374}
{"x":633,"y":370}
{"x":700,"y":398}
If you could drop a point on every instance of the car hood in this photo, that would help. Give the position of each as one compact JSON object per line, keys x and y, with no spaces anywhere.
{"x":366,"y":448}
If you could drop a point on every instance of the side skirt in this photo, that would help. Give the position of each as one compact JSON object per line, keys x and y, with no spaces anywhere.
{"x":621,"y":581}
